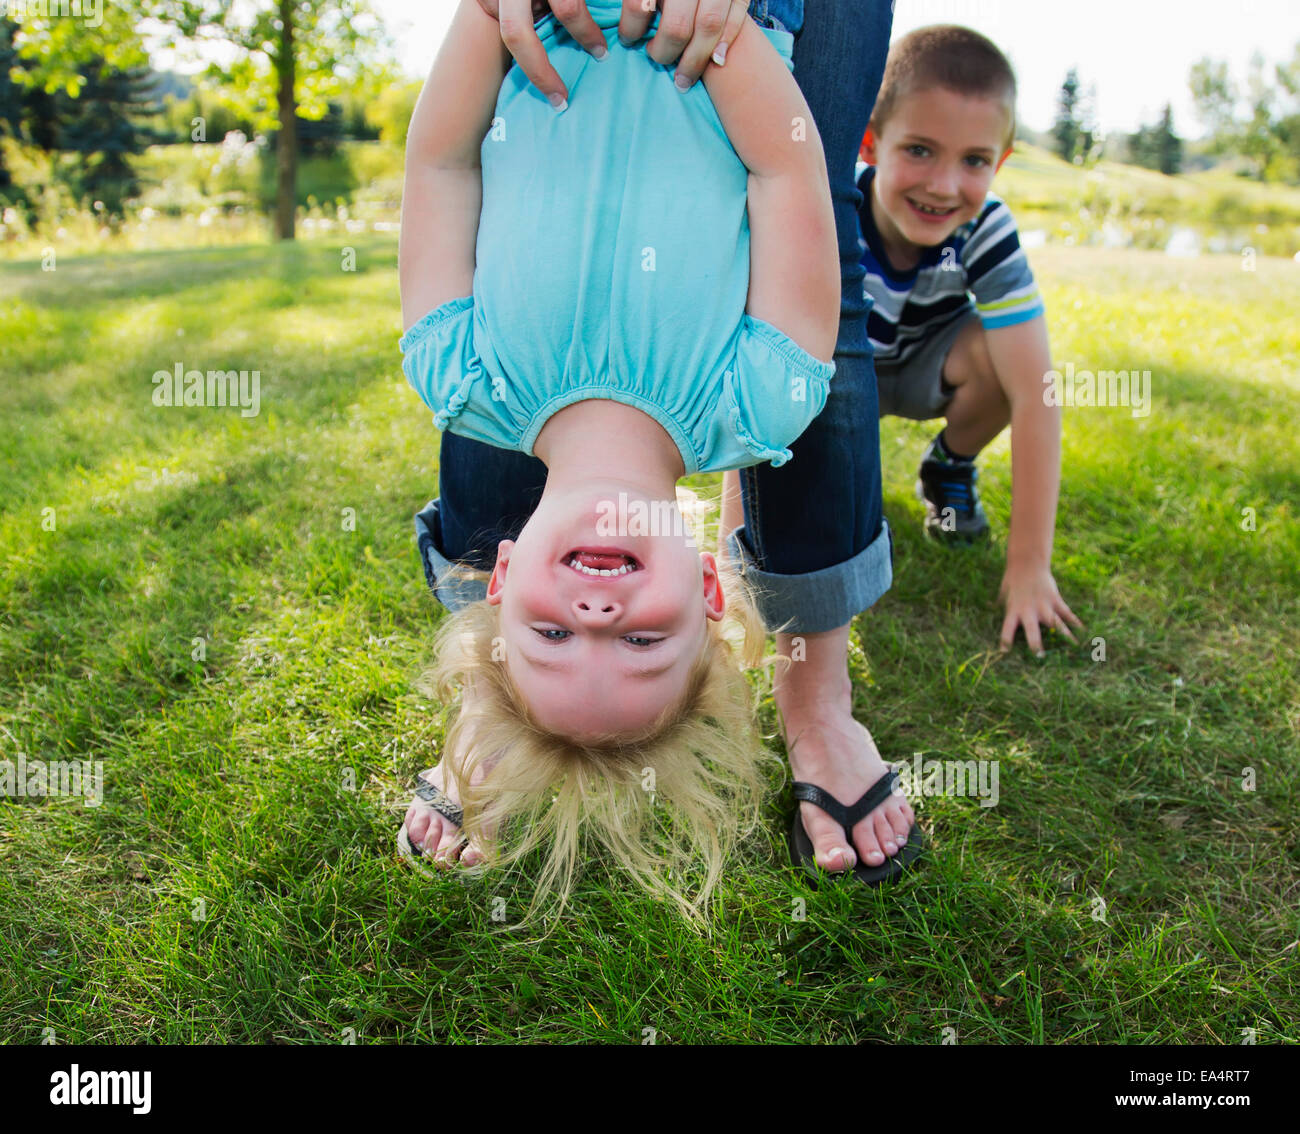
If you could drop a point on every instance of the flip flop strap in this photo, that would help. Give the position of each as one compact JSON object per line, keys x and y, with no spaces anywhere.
{"x":847,"y":817}
{"x":440,"y":802}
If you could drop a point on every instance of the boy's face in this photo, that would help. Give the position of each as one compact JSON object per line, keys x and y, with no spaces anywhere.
{"x":935,"y":159}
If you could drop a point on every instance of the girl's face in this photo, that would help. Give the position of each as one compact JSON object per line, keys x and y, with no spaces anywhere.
{"x":594,"y":653}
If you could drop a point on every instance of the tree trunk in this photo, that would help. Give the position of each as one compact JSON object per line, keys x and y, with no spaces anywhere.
{"x":286,"y":149}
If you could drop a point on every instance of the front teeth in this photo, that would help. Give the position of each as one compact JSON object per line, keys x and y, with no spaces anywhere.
{"x":626,"y":569}
{"x":932,"y":212}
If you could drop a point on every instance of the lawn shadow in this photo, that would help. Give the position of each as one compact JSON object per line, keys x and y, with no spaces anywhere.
{"x":77,"y":280}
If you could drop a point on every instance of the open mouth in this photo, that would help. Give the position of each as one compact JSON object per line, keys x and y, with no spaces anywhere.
{"x":930,"y":210}
{"x":603,"y":562}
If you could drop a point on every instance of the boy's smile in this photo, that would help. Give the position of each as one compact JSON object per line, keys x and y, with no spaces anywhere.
{"x":935,"y":159}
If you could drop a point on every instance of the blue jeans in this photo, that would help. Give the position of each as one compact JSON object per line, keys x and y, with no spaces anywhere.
{"x":814,"y":547}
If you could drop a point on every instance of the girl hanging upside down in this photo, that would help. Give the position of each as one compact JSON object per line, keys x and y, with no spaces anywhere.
{"x":639,"y":287}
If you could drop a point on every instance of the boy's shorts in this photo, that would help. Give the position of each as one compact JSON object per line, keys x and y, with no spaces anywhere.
{"x":916,"y":388}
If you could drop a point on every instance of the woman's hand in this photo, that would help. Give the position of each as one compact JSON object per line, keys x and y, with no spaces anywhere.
{"x":691,"y":32}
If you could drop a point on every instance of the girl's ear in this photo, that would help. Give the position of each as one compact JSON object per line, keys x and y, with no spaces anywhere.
{"x":504,"y":548}
{"x":715,"y":602}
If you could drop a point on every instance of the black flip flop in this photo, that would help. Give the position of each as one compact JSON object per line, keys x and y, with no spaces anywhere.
{"x":801,"y":848}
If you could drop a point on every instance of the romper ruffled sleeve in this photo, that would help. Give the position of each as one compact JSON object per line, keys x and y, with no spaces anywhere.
{"x":440,"y":361}
{"x":773,"y":391}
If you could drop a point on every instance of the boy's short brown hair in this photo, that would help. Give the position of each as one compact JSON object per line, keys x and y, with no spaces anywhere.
{"x":950,"y":56}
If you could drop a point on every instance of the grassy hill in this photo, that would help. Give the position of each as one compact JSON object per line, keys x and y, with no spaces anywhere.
{"x":1126,"y":205}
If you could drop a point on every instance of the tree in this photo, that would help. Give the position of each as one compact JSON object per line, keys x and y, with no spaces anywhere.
{"x":102,"y":124}
{"x":56,"y":55}
{"x":1169,"y":146}
{"x":1215,"y":98}
{"x":1268,"y":138}
{"x":11,"y":100}
{"x":295,"y":55}
{"x":55,"y":50}
{"x":1158,"y":147}
{"x":1089,"y":140}
{"x":1065,"y":130}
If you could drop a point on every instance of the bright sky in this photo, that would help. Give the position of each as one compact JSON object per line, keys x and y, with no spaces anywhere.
{"x":1137,"y":52}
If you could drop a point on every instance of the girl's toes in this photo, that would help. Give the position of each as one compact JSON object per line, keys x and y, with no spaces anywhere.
{"x":418,"y":829}
{"x":450,"y":845}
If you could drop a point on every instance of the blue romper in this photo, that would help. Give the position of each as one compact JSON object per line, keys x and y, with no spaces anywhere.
{"x":612,"y":261}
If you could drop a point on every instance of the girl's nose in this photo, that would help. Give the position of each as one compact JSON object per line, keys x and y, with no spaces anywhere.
{"x":596,"y":611}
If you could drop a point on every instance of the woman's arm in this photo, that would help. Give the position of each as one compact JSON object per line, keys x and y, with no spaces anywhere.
{"x":794,"y":264}
{"x":442,"y":192}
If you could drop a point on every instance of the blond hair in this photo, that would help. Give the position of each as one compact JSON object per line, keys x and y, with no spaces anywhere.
{"x":678,"y":797}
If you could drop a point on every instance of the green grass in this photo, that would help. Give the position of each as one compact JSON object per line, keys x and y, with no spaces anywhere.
{"x":232,"y":886}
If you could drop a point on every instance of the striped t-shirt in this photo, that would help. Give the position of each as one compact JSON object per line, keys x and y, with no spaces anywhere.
{"x":982,"y":260}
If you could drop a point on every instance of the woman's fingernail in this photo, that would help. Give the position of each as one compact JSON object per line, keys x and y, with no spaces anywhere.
{"x":558,"y":103}
{"x":681,"y":82}
{"x":720,"y":54}
{"x":601,"y":53}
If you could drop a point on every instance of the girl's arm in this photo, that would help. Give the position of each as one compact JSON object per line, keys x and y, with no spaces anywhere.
{"x":443,"y":189}
{"x":794,"y":263}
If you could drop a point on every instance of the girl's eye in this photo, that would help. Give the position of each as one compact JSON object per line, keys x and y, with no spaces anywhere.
{"x":978,"y":160}
{"x":640,"y":643}
{"x":917,"y":151}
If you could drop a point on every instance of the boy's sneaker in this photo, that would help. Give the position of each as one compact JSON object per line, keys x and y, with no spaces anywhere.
{"x":952,"y":501}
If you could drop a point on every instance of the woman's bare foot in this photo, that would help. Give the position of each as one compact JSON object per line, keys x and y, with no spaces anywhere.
{"x":830,"y":748}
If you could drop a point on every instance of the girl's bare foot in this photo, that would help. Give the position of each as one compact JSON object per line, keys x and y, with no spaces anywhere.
{"x":430,"y":832}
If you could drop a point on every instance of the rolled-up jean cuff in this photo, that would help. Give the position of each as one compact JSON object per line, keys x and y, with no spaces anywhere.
{"x":819,"y":600}
{"x":455,"y":594}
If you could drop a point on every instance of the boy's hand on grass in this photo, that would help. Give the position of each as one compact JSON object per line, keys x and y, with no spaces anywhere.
{"x":1032,"y":600}
{"x":690,"y":33}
